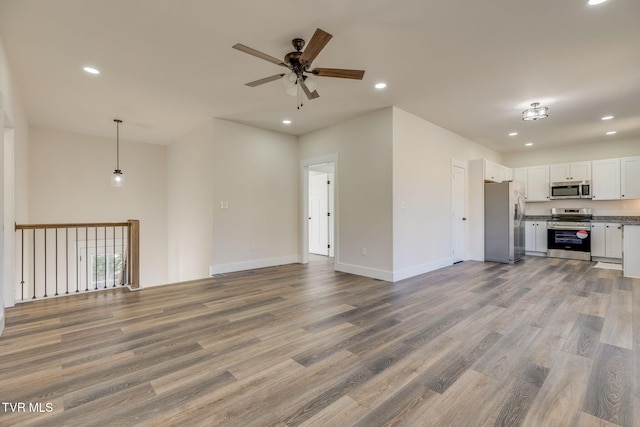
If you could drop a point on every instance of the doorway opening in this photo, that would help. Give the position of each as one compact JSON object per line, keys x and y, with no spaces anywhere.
{"x":319,"y":177}
{"x":321,"y":214}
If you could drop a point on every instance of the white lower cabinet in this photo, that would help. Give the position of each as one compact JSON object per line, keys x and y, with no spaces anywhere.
{"x":631,"y":262}
{"x":535,"y":237}
{"x":606,"y":240}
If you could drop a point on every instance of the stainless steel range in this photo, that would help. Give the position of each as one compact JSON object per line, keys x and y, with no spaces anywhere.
{"x":569,"y":233}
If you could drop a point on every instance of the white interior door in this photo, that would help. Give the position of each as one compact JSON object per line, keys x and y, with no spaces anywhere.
{"x":459,"y":215}
{"x":318,"y":213}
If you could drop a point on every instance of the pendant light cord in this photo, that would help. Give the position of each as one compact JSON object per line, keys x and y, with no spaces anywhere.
{"x":117,"y":143}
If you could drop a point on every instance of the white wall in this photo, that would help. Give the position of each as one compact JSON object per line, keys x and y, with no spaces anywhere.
{"x":14,"y":190}
{"x":190,"y":205}
{"x":422,"y":154}
{"x":254,"y":174}
{"x":70,"y":182}
{"x":574,"y":153}
{"x":606,"y":149}
{"x":364,"y":193}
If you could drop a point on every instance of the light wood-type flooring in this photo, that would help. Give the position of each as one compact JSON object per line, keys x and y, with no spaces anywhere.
{"x":544,"y":342}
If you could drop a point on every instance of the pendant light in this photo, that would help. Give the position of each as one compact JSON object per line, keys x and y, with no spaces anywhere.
{"x":536,"y":112}
{"x":117,"y":178}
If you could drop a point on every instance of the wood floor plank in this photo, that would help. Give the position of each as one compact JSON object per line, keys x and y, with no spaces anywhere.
{"x":374,"y":392}
{"x":543,"y":342}
{"x":610,"y":391}
{"x":444,"y":373}
{"x":617,"y":329}
{"x":588,"y":420}
{"x":345,"y":411}
{"x":584,"y":338}
{"x":458,"y":406}
{"x":509,"y":404}
{"x":559,"y":400}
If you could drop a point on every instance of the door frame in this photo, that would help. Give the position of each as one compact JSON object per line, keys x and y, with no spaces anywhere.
{"x":7,"y":204}
{"x":463,"y":164}
{"x":304,"y":218}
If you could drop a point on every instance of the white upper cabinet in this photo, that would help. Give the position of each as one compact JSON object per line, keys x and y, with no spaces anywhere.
{"x":577,"y":171}
{"x":491,"y":171}
{"x":537,"y":183}
{"x":520,"y":175}
{"x":630,"y":178}
{"x":495,"y":172}
{"x":606,"y":179}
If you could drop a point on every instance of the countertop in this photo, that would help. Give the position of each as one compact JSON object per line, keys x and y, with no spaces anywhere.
{"x":624,"y":220}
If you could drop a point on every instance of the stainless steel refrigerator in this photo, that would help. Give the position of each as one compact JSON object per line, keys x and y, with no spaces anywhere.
{"x":503,"y":222}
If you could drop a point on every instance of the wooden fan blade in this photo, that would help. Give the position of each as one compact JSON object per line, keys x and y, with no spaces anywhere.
{"x":265,"y":80}
{"x":305,"y":89}
{"x":257,"y":53}
{"x":338,"y":72}
{"x":316,"y":44}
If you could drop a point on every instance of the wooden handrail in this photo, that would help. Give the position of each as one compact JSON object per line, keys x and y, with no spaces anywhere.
{"x":71,"y":225}
{"x":131,"y":255}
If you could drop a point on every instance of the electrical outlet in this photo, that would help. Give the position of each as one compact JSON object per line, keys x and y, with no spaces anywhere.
{"x":363,"y":251}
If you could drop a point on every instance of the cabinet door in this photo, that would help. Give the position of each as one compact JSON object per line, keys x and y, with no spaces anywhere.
{"x":580,"y":171}
{"x":560,"y":172}
{"x":630,"y":177}
{"x":541,"y":236}
{"x":613,"y":237}
{"x":491,"y":171}
{"x":529,"y":236}
{"x":598,"y":239}
{"x":606,"y":179}
{"x":506,"y":174}
{"x":520,"y":175}
{"x":538,"y":183}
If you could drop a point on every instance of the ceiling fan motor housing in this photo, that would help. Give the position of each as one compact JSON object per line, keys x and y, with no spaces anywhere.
{"x":293,"y":59}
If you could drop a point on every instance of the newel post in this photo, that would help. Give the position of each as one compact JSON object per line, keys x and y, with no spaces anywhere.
{"x":133,"y":243}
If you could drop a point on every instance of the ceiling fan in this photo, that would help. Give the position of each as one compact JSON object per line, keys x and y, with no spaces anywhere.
{"x":298,"y":62}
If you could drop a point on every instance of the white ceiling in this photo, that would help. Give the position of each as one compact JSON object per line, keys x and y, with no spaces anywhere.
{"x":467,"y":65}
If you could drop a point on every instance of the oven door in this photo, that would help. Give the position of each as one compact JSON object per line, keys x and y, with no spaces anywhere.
{"x":569,"y":240}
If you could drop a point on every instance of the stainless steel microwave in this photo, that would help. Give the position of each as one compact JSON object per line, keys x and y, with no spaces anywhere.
{"x":570,"y":190}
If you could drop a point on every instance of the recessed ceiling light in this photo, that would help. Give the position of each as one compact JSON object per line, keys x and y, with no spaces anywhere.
{"x":611,"y":132}
{"x":595,"y":2}
{"x":528,"y":144}
{"x":91,"y":70}
{"x":606,"y":118}
{"x":380,"y":85}
{"x":286,"y":122}
{"x":513,"y":133}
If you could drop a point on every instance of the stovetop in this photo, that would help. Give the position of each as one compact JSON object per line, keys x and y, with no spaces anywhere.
{"x":571,"y":214}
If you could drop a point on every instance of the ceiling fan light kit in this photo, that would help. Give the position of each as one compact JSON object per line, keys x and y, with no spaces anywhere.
{"x":535,"y":112}
{"x":296,"y":81}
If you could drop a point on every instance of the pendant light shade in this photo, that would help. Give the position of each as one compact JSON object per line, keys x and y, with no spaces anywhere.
{"x":536,"y":112}
{"x":117,"y":178}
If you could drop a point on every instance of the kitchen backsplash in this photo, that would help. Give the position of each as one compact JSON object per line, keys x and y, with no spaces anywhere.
{"x":613,"y":208}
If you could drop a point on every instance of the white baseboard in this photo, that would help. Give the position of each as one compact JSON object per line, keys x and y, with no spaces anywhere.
{"x":365,"y":271}
{"x":421,"y":269}
{"x":1,"y":321}
{"x":253,"y":264}
{"x":536,"y":253}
